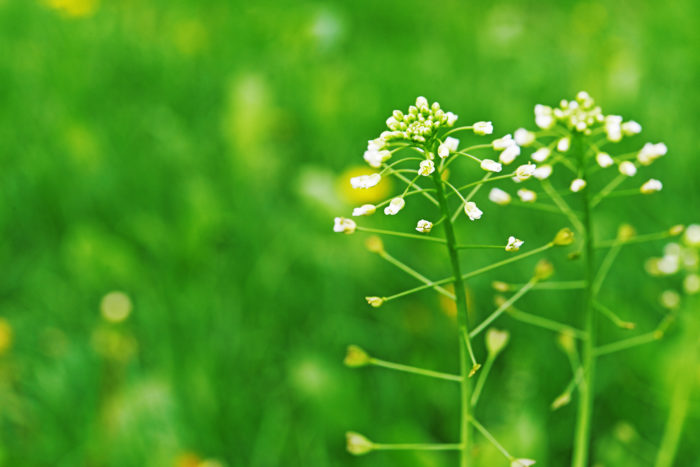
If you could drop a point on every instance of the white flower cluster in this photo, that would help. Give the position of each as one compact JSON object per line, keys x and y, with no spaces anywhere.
{"x":420,"y":123}
{"x":682,"y":257}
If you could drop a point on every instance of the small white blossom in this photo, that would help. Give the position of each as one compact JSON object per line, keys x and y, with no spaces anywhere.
{"x":564,"y":144}
{"x":473,"y":212}
{"x":523,"y":137}
{"x":631,"y":128}
{"x":543,"y":116}
{"x":527,"y":196}
{"x":343,"y":225}
{"x":522,"y":463}
{"x":543,"y":172}
{"x":613,"y":127}
{"x":541,"y":154}
{"x":509,"y":154}
{"x":451,"y":118}
{"x":376,"y":144}
{"x":491,"y":166}
{"x":650,"y":152}
{"x":424,"y":226}
{"x":525,"y":171}
{"x":395,"y":205}
{"x":650,"y":186}
{"x":365,"y":181}
{"x":513,"y":244}
{"x":628,"y":168}
{"x":502,"y":143}
{"x":450,"y":145}
{"x":498,"y":196}
{"x":421,"y":102}
{"x":578,"y":185}
{"x":375,"y":158}
{"x":427,"y":167}
{"x":604,"y":160}
{"x":483,"y":128}
{"x":364,"y":210}
{"x":692,"y":235}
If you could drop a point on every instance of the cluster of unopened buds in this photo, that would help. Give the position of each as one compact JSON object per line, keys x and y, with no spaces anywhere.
{"x":682,"y":258}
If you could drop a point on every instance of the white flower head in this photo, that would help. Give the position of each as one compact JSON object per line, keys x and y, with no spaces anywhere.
{"x":527,"y":196}
{"x":544,"y":117}
{"x":564,"y":144}
{"x":650,"y":152}
{"x":613,"y":128}
{"x":509,"y":154}
{"x":424,"y":226}
{"x":542,"y":172}
{"x":502,"y":143}
{"x":628,"y":168}
{"x":375,"y":158}
{"x":427,"y":167}
{"x":451,"y":118}
{"x":498,"y":196}
{"x":473,"y":212}
{"x":541,"y":154}
{"x":631,"y":128}
{"x":525,"y":171}
{"x":491,"y":166}
{"x":365,"y":181}
{"x":691,"y":237}
{"x":514,"y":244}
{"x":364,"y":210}
{"x":449,"y":146}
{"x":522,"y":463}
{"x":577,"y":185}
{"x":376,"y":144}
{"x":483,"y":128}
{"x":524,"y":137}
{"x":604,"y":160}
{"x":650,"y":186}
{"x":343,"y":225}
{"x":395,"y":205}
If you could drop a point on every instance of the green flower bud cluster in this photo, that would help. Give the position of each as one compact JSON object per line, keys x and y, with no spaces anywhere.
{"x":420,"y":124}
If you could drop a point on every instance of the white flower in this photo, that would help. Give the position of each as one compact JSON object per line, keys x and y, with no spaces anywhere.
{"x":364,"y":210}
{"x":450,"y":145}
{"x":365,"y":181}
{"x":509,"y":154}
{"x":564,"y":144}
{"x":604,"y":160}
{"x":522,"y":463}
{"x":631,"y":128}
{"x":543,"y":172}
{"x":426,"y":168}
{"x":543,"y":116}
{"x":421,"y":102}
{"x":524,"y":137}
{"x":613,"y":127}
{"x":527,"y":196}
{"x":395,"y":205}
{"x":584,"y":99}
{"x":344,"y":225}
{"x":502,"y":143}
{"x":451,"y":118}
{"x":375,"y":158}
{"x":628,"y":168}
{"x":525,"y":171}
{"x":376,"y":144}
{"x":424,"y":226}
{"x":578,"y":185}
{"x":541,"y":154}
{"x":498,"y":196}
{"x":650,"y":152}
{"x":491,"y":166}
{"x":692,"y":235}
{"x":483,"y":128}
{"x":691,"y":284}
{"x":472,"y":211}
{"x":650,"y":186}
{"x":513,"y":244}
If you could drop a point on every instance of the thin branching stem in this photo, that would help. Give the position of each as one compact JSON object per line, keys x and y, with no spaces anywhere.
{"x":499,"y":311}
{"x":412,"y":272}
{"x":401,"y":234}
{"x":414,"y":370}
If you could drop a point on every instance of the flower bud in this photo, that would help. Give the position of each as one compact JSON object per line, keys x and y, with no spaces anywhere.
{"x":358,"y":444}
{"x":496,"y":341}
{"x":625,"y":232}
{"x":561,"y":401}
{"x":564,"y":237}
{"x":374,"y":244}
{"x":566,"y":342}
{"x":376,"y":302}
{"x":543,"y":270}
{"x":356,"y":357}
{"x":500,"y":286}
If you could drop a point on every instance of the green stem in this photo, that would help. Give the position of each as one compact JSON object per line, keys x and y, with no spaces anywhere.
{"x":625,"y":344}
{"x":400,"y":234}
{"x":499,"y":311}
{"x":465,"y":349}
{"x":545,"y":323}
{"x":409,"y":270}
{"x":582,"y":436}
{"x":482,"y":379}
{"x":416,"y":447}
{"x":414,"y":370}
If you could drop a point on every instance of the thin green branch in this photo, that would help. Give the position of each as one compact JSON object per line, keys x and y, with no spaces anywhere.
{"x":491,"y":438}
{"x":629,"y":343}
{"x":414,"y":370}
{"x":416,"y":447}
{"x":607,"y":189}
{"x":565,"y":208}
{"x":619,"y":322}
{"x":428,"y":196}
{"x":544,"y":323}
{"x":412,"y":272}
{"x":493,"y":316}
{"x":482,"y":379}
{"x":401,"y":234}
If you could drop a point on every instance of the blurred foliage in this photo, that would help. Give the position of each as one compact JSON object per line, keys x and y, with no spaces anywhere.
{"x":189,"y":155}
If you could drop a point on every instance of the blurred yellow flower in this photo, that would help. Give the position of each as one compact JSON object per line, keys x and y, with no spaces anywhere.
{"x":5,"y":336}
{"x":74,"y":8}
{"x":352,"y":195}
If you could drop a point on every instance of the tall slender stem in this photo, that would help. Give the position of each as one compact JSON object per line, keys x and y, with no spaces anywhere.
{"x":586,"y":390}
{"x":462,"y":319}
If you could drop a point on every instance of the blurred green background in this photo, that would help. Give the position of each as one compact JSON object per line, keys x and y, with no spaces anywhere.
{"x":191,"y":155}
